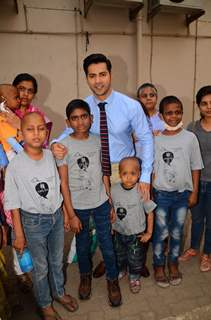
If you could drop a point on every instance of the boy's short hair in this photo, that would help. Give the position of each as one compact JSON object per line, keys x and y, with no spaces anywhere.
{"x":144,"y":86}
{"x":204,"y":91}
{"x":168,"y":100}
{"x":77,"y":104}
{"x":25,"y":77}
{"x":94,"y":59}
{"x":137,"y":160}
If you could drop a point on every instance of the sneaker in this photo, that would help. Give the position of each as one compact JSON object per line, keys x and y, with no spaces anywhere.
{"x":135,"y":286}
{"x":188,"y":254}
{"x":114,"y":293}
{"x":205,"y":264}
{"x":122,"y":274}
{"x":84,"y":290}
{"x":160,"y":277}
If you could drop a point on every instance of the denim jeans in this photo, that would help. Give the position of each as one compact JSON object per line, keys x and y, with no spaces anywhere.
{"x":201,"y":217}
{"x":45,"y":240}
{"x":130,"y":253}
{"x":101,"y":216}
{"x":170,"y":216}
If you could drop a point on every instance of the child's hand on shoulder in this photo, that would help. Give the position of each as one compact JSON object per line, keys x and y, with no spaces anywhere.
{"x":59,"y":150}
{"x":193,"y":198}
{"x":145,"y":237}
{"x":75,"y":224}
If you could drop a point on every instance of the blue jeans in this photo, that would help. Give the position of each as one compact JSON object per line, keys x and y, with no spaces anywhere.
{"x":45,"y":239}
{"x":170,"y":216}
{"x":201,"y":216}
{"x":101,"y":216}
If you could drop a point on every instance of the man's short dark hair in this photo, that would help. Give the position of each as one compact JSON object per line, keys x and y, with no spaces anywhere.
{"x":168,"y":100}
{"x":204,"y":91}
{"x":25,"y":77}
{"x":94,"y":59}
{"x":77,"y":104}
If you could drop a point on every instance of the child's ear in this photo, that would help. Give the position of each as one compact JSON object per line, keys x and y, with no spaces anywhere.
{"x":20,"y":135}
{"x":91,"y":117}
{"x":67,"y":122}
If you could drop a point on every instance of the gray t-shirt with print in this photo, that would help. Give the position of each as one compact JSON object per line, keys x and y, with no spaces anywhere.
{"x":84,"y":171}
{"x":204,"y":138}
{"x":175,"y":157}
{"x":33,"y":185}
{"x":130,"y":210}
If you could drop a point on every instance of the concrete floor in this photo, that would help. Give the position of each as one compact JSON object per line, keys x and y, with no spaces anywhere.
{"x":190,"y":300}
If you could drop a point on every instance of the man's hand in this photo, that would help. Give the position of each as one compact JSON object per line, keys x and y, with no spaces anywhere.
{"x":59,"y":151}
{"x":192,"y":200}
{"x":75,"y":224}
{"x":144,"y":189}
{"x":145,"y":237}
{"x":19,"y":244}
{"x":112,"y":215}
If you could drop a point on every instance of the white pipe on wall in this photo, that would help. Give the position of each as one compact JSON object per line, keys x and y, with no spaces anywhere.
{"x":139,"y":46}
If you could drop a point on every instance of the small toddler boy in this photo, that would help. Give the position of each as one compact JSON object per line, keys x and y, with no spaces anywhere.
{"x":132,"y":229}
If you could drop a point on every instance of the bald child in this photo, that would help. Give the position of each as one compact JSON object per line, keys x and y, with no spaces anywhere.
{"x":9,"y":136}
{"x":34,"y":183}
{"x":132,"y":228}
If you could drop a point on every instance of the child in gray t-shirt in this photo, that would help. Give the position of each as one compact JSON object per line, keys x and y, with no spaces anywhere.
{"x":176,"y":172}
{"x":132,"y":228}
{"x":85,"y":190}
{"x":32,"y":193}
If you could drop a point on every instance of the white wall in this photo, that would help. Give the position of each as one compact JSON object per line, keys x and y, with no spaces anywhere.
{"x":50,"y":38}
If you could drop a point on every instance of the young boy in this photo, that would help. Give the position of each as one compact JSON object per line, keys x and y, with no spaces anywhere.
{"x":177,"y":167}
{"x":84,"y":191}
{"x":33,"y":181}
{"x":130,"y":224}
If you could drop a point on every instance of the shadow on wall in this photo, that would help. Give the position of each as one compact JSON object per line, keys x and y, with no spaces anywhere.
{"x":187,"y":103}
{"x":119,"y":75}
{"x":44,"y":90}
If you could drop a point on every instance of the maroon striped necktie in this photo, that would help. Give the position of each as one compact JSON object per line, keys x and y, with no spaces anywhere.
{"x":106,"y":164}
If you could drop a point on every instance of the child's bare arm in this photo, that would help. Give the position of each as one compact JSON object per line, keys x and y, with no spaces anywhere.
{"x":20,"y":242}
{"x":193,"y":197}
{"x":147,"y":235}
{"x":74,"y":221}
{"x":12,"y":119}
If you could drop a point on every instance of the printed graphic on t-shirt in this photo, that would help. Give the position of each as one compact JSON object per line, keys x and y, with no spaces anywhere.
{"x":42,"y":189}
{"x":83,"y":163}
{"x":171,"y":164}
{"x":81,"y":179}
{"x":121,"y":213}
